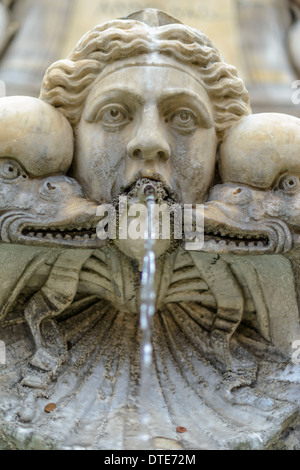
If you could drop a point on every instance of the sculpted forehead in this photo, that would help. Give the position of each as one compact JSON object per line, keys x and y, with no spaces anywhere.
{"x":146,"y":83}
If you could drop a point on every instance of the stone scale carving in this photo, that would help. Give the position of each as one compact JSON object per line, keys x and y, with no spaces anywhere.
{"x":147,"y":99}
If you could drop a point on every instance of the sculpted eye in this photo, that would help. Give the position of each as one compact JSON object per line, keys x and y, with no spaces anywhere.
{"x":289,"y":183}
{"x":9,"y":170}
{"x":114,"y":116}
{"x":183,"y":120}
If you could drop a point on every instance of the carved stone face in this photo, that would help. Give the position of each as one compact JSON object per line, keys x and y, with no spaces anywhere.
{"x":146,"y":121}
{"x":36,"y":209}
{"x":50,"y":211}
{"x":259,"y":203}
{"x":244,"y":220}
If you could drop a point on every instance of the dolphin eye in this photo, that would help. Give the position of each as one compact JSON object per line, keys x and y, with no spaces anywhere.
{"x":289,"y":183}
{"x":10,"y":170}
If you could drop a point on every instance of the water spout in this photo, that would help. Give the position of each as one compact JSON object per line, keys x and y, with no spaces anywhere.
{"x":147,"y":310}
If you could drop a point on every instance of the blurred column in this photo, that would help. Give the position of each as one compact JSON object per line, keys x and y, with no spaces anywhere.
{"x":294,"y":36}
{"x":43,"y":25}
{"x":4,"y":25}
{"x":264,"y":26}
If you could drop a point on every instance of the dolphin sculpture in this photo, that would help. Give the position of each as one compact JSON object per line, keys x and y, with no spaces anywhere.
{"x":259,"y":167}
{"x":45,"y":213}
{"x":256,"y":211}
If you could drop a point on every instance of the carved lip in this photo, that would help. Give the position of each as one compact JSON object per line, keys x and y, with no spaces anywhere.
{"x":228,"y":231}
{"x":156,"y":178}
{"x":222,"y":240}
{"x":83,"y":235}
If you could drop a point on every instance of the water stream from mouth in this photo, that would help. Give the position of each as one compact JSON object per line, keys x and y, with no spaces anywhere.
{"x":147,"y":310}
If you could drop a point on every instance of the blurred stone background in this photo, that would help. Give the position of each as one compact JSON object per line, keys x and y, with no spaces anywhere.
{"x":260,"y":37}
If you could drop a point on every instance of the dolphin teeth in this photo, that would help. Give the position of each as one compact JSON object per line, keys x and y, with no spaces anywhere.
{"x":86,"y":237}
{"x":31,"y":234}
{"x":94,"y":236}
{"x":68,"y":237}
{"x":77,"y":237}
{"x":242,"y":244}
{"x":260,"y":244}
{"x":39,"y":235}
{"x":59,"y":236}
{"x":49,"y":236}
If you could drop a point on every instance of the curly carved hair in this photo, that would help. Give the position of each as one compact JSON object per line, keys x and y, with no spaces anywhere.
{"x":67,"y":83}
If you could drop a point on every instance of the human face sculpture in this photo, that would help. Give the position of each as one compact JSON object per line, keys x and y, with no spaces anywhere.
{"x":146,"y":121}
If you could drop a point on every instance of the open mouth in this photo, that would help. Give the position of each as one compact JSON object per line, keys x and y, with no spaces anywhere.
{"x":82,"y":234}
{"x":236,"y":240}
{"x":164,"y":193}
{"x":221,"y":240}
{"x":227,"y":230}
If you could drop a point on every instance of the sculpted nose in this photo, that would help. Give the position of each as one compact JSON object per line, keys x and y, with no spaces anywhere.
{"x":240,"y":195}
{"x":235,"y":195}
{"x":49,"y":187}
{"x":149,"y":142}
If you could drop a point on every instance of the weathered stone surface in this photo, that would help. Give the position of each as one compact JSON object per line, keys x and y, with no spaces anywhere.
{"x":151,"y":102}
